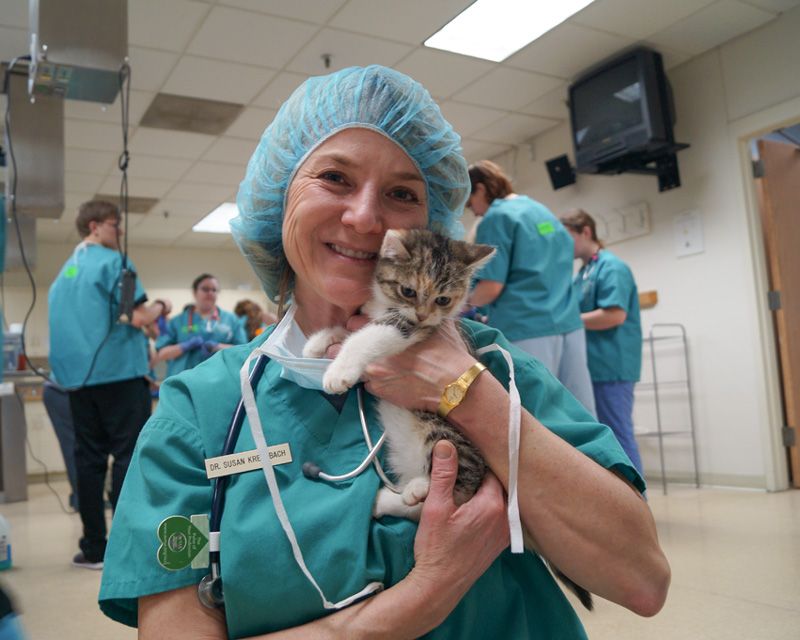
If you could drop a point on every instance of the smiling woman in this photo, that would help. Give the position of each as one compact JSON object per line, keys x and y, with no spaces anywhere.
{"x":349,"y":157}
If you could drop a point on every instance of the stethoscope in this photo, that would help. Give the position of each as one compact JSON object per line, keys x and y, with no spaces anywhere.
{"x":590,"y":266}
{"x":212,"y":320}
{"x":209,"y":591}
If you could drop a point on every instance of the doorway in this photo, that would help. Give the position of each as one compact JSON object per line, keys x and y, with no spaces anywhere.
{"x":776,"y":170}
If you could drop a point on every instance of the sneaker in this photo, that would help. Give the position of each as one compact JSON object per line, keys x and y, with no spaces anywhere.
{"x":81,"y":560}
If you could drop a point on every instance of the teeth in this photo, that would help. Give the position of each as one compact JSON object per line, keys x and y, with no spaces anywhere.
{"x":361,"y":255}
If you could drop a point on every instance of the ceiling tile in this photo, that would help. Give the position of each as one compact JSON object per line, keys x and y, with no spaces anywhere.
{"x":155,"y":224}
{"x":279,"y":89}
{"x":711,"y":27}
{"x":149,"y":68}
{"x":84,"y":161}
{"x":13,"y":43}
{"x":83,"y":134}
{"x":156,"y":240}
{"x":215,"y":173}
{"x":346,"y":49}
{"x":442,"y":73}
{"x":170,"y":144}
{"x":671,"y":57}
{"x":193,"y":211}
{"x":261,"y":40}
{"x":475,"y":150}
{"x":636,"y":18}
{"x":139,"y":187}
{"x":550,"y":105}
{"x":88,"y":182}
{"x":14,"y":13}
{"x":71,"y":203}
{"x":507,"y":89}
{"x":251,"y":123}
{"x":776,"y":6}
{"x":514,"y":128}
{"x":316,"y":11}
{"x":201,"y":192}
{"x":177,"y":22}
{"x":568,"y":50}
{"x":231,"y":150}
{"x":216,"y":80}
{"x":85,"y":110}
{"x":199,"y":240}
{"x":399,"y":21}
{"x":141,"y":166}
{"x":466,"y":118}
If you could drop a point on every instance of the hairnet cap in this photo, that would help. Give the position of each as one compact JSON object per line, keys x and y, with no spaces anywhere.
{"x":373,"y":97}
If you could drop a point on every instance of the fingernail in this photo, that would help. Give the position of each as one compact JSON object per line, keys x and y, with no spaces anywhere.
{"x":443,"y":451}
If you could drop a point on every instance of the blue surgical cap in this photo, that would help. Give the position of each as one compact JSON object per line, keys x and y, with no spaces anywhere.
{"x":374,"y":97}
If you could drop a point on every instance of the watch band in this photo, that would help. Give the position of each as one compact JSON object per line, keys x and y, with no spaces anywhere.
{"x":460,"y":385}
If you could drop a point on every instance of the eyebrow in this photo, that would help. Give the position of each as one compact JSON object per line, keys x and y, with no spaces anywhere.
{"x":347,"y":162}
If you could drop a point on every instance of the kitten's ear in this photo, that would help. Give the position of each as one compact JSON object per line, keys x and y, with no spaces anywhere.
{"x":478,"y":255}
{"x":393,"y":246}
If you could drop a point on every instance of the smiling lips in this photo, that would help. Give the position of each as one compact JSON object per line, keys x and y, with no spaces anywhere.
{"x":352,"y":253}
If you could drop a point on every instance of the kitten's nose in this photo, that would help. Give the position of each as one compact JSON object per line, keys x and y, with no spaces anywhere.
{"x":421,"y":317}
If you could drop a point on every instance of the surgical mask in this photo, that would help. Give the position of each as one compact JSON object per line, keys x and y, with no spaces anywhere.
{"x":285,"y":346}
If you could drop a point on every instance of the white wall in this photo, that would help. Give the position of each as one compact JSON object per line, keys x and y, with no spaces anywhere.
{"x":715,"y":294}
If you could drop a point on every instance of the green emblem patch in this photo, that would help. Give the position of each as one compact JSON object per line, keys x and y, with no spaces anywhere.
{"x":545,"y":228}
{"x":71,"y":271}
{"x":183,"y":541}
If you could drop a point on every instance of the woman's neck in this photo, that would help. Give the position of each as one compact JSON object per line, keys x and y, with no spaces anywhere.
{"x":592,"y":250}
{"x":314,"y":313}
{"x":205,"y":311}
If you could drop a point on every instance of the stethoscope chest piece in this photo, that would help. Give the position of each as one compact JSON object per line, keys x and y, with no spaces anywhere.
{"x":209,"y":592}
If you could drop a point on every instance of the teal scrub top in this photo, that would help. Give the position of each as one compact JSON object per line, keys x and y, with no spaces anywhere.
{"x":344,"y":546}
{"x":227,"y":328}
{"x":534,"y":263}
{"x":615,"y":355}
{"x":83,"y":305}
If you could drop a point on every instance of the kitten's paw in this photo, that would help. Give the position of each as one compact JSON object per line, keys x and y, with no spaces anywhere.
{"x":416,"y":491}
{"x":389,"y":503}
{"x":340,"y":377}
{"x":319,"y":342}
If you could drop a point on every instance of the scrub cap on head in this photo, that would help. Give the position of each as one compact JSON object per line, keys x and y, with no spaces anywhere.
{"x":373,"y":97}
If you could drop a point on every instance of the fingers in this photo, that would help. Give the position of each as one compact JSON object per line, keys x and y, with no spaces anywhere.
{"x":444,"y":469}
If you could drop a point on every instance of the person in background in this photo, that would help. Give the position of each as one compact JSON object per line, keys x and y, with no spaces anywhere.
{"x":253,"y":318}
{"x":610,"y":311}
{"x":349,"y":156}
{"x":526,"y":289}
{"x":102,"y":363}
{"x":56,"y":403}
{"x":200,"y":330}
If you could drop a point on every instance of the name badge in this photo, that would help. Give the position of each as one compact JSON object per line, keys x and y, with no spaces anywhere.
{"x":246,"y":461}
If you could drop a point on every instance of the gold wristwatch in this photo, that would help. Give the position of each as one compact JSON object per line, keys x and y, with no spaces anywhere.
{"x":455,"y":392}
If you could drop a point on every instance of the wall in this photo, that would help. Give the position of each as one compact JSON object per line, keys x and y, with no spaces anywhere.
{"x":716,"y":294}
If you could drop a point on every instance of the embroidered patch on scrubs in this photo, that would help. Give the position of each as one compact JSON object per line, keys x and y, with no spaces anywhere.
{"x":545,"y":228}
{"x":71,"y":271}
{"x":181,"y":542}
{"x":246,"y":461}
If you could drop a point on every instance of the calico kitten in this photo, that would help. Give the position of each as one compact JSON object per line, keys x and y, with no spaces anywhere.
{"x":421,"y":279}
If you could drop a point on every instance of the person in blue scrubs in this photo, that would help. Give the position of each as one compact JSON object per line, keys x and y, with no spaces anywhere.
{"x":350,"y":155}
{"x":102,"y":363}
{"x":200,"y":330}
{"x":526,"y":289}
{"x":610,"y":312}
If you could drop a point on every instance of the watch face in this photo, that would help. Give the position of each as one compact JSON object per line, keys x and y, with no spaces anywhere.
{"x":453,"y":394}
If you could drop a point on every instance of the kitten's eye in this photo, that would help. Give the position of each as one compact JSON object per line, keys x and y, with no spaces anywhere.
{"x":442,"y":301}
{"x":406,"y":292}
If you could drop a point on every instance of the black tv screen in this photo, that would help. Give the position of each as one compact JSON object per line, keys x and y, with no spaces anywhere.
{"x":620,"y":108}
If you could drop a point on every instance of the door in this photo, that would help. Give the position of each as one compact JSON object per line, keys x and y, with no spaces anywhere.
{"x":779,"y":194}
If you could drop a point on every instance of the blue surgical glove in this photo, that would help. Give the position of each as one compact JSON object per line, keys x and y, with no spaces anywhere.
{"x":162,"y":325}
{"x":195,"y":342}
{"x":207,"y":350}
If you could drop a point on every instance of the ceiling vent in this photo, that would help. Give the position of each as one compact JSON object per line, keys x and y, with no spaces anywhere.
{"x":195,"y":115}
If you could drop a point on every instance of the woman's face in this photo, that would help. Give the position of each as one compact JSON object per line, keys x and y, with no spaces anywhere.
{"x":344,"y":197}
{"x":583,"y":242}
{"x":205,"y":295}
{"x":478,"y":201}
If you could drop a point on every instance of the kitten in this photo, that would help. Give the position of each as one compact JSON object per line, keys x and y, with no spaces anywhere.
{"x":421,"y":279}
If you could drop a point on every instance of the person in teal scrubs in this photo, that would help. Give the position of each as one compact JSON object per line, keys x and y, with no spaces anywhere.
{"x":350,"y":155}
{"x":526,"y":289}
{"x":102,"y":363}
{"x":610,"y":311}
{"x":200,"y":330}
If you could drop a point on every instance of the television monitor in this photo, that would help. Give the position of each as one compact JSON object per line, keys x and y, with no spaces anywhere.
{"x":621,"y":109}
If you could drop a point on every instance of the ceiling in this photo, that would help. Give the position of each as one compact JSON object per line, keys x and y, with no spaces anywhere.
{"x":255,"y":52}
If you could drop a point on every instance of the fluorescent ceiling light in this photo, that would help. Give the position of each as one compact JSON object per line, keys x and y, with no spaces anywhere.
{"x":218,"y":221}
{"x":494,"y":29}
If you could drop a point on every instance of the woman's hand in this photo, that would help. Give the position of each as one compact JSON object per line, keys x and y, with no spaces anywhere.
{"x":415,"y":378}
{"x":455,"y":545}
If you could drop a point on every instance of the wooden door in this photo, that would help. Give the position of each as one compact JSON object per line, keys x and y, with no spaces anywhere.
{"x":779,"y":193}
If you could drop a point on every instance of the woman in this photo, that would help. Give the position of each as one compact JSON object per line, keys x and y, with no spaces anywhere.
{"x":200,"y":330}
{"x":349,"y":156}
{"x":527,"y":288}
{"x":253,"y":318}
{"x":610,"y":311}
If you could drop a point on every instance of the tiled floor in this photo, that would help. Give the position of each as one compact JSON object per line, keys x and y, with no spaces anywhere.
{"x":735,"y":559}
